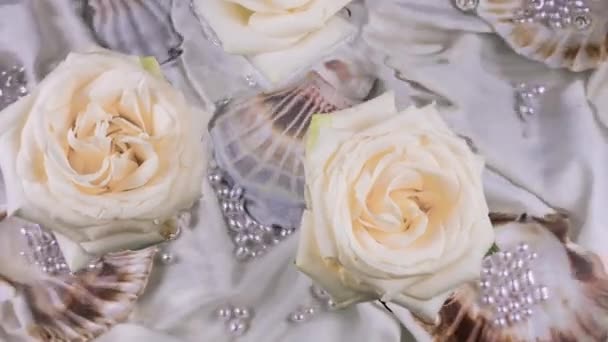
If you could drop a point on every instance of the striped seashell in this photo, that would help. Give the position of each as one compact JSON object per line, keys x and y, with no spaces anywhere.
{"x":259,"y":141}
{"x":77,"y":307}
{"x":579,"y":46}
{"x":576,"y":308}
{"x":84,"y":306}
{"x":136,"y":27}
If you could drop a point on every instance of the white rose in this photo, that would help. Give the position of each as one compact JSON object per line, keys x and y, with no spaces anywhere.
{"x":396,"y":209}
{"x":279,"y":36}
{"x":101,"y":152}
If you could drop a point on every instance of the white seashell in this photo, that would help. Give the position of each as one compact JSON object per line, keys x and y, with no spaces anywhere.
{"x":259,"y":141}
{"x":142,"y":28}
{"x":579,"y":46}
{"x":571,"y":304}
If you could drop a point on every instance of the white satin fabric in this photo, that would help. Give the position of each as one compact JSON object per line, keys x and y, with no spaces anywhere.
{"x":555,"y":160}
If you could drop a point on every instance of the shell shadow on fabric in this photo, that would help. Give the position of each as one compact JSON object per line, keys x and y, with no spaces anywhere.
{"x":259,"y":141}
{"x":560,"y":33}
{"x":551,"y":289}
{"x":136,"y":27}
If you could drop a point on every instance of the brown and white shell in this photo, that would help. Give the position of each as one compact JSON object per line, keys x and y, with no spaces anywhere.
{"x":84,"y":306}
{"x":576,"y":310}
{"x":567,"y":47}
{"x":259,"y":140}
{"x":77,"y":307}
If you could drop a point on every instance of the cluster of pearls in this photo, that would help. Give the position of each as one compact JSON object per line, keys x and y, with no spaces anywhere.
{"x":251,"y":238}
{"x":237,"y":319}
{"x":181,"y":222}
{"x":509,"y":286}
{"x":43,"y":250}
{"x":526,"y":98}
{"x":466,"y":5}
{"x":322,"y":302}
{"x":555,"y":14}
{"x":12,"y":85}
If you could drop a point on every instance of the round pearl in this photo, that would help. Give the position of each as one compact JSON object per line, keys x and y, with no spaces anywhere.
{"x":240,"y":239}
{"x":250,"y":81}
{"x":223,"y":192}
{"x":237,"y":327}
{"x":215,"y":178}
{"x":167,"y":258}
{"x":319,"y":293}
{"x":236,"y":193}
{"x":242,"y":253}
{"x":236,"y":225}
{"x":224,"y":313}
{"x":242,"y":313}
{"x":297,"y":317}
{"x":310,"y":311}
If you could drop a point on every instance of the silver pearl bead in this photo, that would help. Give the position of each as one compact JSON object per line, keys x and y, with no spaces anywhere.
{"x":319,"y":292}
{"x":297,"y":317}
{"x":236,"y":193}
{"x":223,"y":192}
{"x":235,"y":224}
{"x":224,"y":313}
{"x":243,"y":313}
{"x":256,"y":238}
{"x":167,"y":258}
{"x":544,"y":293}
{"x":237,"y":327}
{"x":241,"y":239}
{"x":215,"y":178}
{"x":250,"y":80}
{"x":242,"y":253}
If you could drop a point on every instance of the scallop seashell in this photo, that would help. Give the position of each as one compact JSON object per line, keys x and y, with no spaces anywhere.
{"x":69,"y":307}
{"x":84,"y":306}
{"x":560,"y":33}
{"x":539,"y":287}
{"x":259,"y":141}
{"x":136,"y":27}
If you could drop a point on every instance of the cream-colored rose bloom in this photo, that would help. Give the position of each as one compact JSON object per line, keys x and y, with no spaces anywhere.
{"x":396,"y":209}
{"x":279,"y":36}
{"x":103,"y":153}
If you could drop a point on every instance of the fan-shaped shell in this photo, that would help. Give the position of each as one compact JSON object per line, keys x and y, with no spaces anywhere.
{"x":136,"y":27}
{"x":575,"y":310}
{"x":571,"y":47}
{"x":65,"y":307}
{"x":83,"y":306}
{"x":258,"y":141}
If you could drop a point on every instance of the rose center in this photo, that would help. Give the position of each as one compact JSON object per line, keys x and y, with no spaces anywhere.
{"x":108,"y":145}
